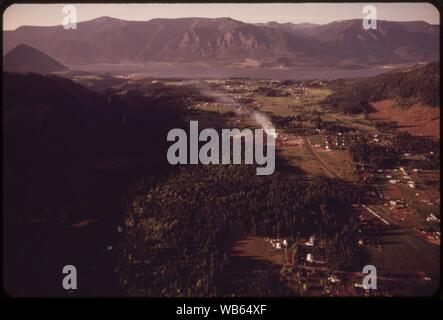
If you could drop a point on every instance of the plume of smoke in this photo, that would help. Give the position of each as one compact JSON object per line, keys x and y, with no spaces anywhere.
{"x":260,"y":118}
{"x":265,"y":123}
{"x":219,"y":96}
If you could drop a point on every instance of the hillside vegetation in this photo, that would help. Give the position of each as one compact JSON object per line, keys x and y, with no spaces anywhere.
{"x":172,"y":229}
{"x":407,"y":87}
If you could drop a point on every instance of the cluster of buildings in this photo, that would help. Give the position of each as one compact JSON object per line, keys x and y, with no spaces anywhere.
{"x":402,"y":206}
{"x":403,"y":175}
{"x":338,"y":141}
{"x":321,"y":281}
{"x":300,"y":252}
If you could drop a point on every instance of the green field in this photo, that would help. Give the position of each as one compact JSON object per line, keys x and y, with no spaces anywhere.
{"x":405,"y":252}
{"x":300,"y":157}
{"x":352,"y":121}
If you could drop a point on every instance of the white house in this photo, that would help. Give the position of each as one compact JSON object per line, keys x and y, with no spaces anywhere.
{"x":309,"y":257}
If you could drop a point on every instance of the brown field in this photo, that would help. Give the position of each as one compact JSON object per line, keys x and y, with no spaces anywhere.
{"x":341,"y":163}
{"x":418,"y":119}
{"x":258,"y":249}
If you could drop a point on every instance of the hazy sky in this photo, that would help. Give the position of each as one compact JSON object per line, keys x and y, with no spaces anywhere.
{"x":51,"y":14}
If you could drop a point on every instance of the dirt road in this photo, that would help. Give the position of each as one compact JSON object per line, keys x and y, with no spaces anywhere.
{"x":329,"y":171}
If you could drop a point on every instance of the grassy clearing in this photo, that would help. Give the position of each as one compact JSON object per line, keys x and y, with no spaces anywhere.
{"x":317,"y":139}
{"x":216,"y":107}
{"x":403,"y":251}
{"x":300,"y":157}
{"x":277,"y":105}
{"x":352,"y":121}
{"x":256,"y":248}
{"x":341,"y":162}
{"x":317,"y":94}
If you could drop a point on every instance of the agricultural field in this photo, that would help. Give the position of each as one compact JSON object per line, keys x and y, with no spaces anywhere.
{"x":312,"y":157}
{"x":398,"y":249}
{"x":315,"y":140}
{"x":300,"y":156}
{"x":358,"y":121}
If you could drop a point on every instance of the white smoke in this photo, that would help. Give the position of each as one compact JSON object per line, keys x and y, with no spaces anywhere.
{"x":265,"y":123}
{"x":260,"y":118}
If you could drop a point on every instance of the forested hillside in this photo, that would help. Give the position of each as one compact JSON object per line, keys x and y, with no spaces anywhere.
{"x":172,"y":229}
{"x":69,"y":155}
{"x":414,"y":85}
{"x":67,"y":134}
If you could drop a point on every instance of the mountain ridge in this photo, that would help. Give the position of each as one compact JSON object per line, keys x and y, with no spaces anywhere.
{"x":107,"y":39}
